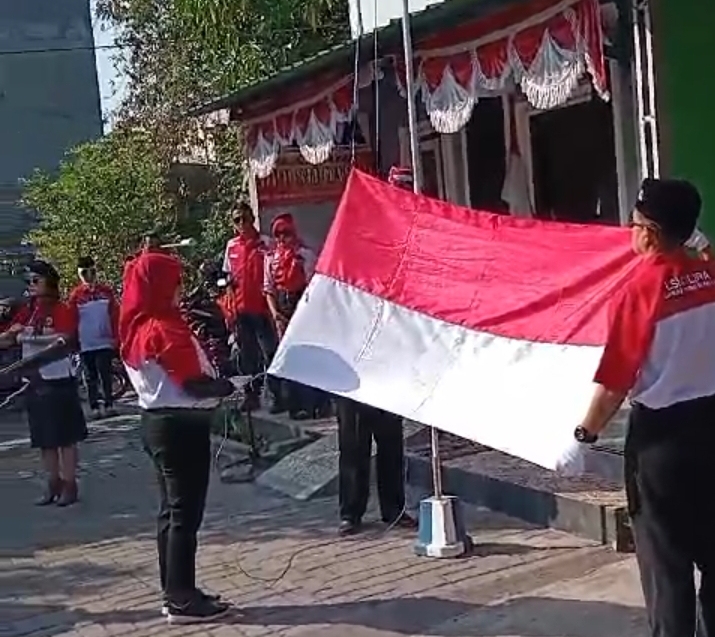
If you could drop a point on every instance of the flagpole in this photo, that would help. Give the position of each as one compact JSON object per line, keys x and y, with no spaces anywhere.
{"x":441,"y":530}
{"x":411,"y":101}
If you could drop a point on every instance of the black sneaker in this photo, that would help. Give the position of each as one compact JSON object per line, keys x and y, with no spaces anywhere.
{"x":209,"y":597}
{"x":348,"y":527}
{"x":198,"y":611}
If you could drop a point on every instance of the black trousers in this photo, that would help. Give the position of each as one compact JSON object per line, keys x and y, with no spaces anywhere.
{"x":178,"y":443}
{"x":670,"y":482}
{"x":357,"y":425}
{"x":98,"y":371}
{"x":257,"y":344}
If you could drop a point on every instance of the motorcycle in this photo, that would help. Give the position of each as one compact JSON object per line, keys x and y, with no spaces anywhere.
{"x":120,"y":380}
{"x":206,"y":321}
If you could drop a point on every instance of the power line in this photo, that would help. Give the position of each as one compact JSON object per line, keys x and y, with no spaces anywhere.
{"x":111,"y":47}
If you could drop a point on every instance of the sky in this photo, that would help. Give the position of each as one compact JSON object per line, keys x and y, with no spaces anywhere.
{"x":111,"y":84}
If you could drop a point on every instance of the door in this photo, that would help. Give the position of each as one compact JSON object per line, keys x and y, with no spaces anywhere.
{"x":574,"y":163}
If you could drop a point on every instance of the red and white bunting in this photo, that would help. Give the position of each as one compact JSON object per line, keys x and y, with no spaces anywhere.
{"x":545,"y":52}
{"x":545,"y":55}
{"x":312,"y":125}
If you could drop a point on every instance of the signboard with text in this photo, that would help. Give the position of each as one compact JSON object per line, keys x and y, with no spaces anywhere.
{"x":295,"y":181}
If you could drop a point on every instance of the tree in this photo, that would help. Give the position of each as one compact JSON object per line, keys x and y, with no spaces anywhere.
{"x":105,"y":195}
{"x":174,"y":55}
{"x":180,"y":53}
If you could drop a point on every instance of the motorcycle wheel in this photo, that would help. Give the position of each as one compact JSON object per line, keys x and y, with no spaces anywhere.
{"x":120,"y":384}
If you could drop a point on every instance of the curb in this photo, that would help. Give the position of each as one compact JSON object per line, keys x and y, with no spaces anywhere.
{"x":601,"y":523}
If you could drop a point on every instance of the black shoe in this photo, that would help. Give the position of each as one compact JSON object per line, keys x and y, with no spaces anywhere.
{"x":349,"y":527}
{"x":209,"y":597}
{"x":300,"y":414}
{"x":197,"y":611}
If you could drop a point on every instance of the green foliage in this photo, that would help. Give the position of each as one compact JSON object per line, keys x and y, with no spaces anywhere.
{"x":103,"y":197}
{"x":174,"y":55}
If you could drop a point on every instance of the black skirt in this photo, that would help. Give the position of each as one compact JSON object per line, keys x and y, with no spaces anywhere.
{"x":54,"y":413}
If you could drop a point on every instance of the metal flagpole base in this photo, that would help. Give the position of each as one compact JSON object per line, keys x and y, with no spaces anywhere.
{"x":442,"y":533}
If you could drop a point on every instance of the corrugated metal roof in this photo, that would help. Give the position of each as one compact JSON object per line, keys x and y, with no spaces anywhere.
{"x":389,"y":37}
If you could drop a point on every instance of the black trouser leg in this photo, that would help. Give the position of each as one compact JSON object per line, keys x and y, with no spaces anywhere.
{"x":163,"y":520}
{"x":387,"y":430}
{"x":667,"y":578}
{"x":705,"y":561}
{"x":91,"y":377}
{"x":249,"y":352}
{"x":268,"y":344}
{"x":179,"y":446}
{"x":354,"y":442}
{"x":673,"y":516}
{"x":104,"y":359}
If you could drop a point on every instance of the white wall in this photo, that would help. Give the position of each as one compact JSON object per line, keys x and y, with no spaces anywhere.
{"x":381,"y":12}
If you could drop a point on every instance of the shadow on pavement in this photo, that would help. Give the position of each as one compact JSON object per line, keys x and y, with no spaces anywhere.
{"x":428,"y":616}
{"x":525,"y":617}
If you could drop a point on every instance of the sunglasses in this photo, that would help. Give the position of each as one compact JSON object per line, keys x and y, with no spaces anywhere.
{"x":644,"y":225}
{"x":34,"y":280}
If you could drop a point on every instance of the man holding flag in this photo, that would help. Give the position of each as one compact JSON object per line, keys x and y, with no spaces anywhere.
{"x":659,"y":351}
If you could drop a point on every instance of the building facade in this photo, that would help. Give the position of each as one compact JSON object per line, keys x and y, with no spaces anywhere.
{"x":49,"y":103}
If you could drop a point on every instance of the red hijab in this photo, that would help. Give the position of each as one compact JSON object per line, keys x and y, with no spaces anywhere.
{"x":151,"y":327}
{"x":288,"y":266}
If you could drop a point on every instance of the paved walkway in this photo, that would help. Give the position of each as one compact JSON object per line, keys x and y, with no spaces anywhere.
{"x":90,"y":571}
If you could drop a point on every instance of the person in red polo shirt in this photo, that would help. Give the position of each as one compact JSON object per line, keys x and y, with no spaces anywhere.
{"x":659,"y":352}
{"x":54,"y":412}
{"x":97,"y":315}
{"x":244,"y":262}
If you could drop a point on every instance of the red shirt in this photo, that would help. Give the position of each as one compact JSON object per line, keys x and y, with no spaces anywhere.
{"x":46,"y":320}
{"x":244,"y":261}
{"x":661,"y":332}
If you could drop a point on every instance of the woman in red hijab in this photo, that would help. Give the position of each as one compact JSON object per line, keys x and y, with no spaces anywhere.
{"x":288,"y":269}
{"x":178,"y":392}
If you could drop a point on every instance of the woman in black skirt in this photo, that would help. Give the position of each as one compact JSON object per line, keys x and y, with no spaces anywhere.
{"x":54,"y":410}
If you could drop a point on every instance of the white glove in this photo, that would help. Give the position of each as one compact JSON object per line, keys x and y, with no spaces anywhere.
{"x":573,"y":460}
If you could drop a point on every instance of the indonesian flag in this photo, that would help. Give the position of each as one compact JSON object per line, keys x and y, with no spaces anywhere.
{"x":487,"y":326}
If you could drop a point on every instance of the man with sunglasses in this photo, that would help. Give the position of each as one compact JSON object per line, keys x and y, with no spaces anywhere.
{"x":243,"y":264}
{"x":97,"y":313}
{"x":659,"y":352}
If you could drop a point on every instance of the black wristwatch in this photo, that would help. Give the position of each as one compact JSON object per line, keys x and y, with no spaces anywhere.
{"x":584,"y":435}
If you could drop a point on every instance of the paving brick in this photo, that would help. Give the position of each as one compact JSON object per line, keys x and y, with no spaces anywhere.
{"x":90,"y":571}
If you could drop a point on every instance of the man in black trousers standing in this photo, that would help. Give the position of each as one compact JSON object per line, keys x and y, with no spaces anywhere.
{"x":358,"y":424}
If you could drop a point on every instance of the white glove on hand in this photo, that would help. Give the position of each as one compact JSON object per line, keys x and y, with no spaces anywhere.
{"x":572,"y":462}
